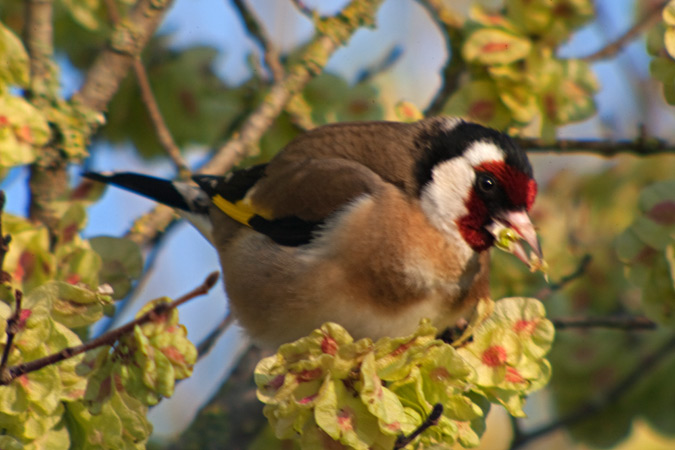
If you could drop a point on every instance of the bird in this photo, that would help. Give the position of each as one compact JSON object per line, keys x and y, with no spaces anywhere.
{"x":373,"y":225}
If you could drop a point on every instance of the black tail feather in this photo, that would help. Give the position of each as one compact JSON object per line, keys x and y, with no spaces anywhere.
{"x":162,"y":191}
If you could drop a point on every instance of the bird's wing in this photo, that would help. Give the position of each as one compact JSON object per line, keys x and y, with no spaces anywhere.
{"x":316,"y":175}
{"x":289,"y":205}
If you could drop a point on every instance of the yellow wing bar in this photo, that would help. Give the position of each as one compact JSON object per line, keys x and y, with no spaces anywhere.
{"x":242,"y":211}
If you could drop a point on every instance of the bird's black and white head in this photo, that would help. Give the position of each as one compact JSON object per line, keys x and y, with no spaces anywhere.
{"x":474,"y":181}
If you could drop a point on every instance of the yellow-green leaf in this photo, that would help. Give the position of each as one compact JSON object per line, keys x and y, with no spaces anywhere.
{"x":491,"y":46}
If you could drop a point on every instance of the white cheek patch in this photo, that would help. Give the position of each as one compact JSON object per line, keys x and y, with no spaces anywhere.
{"x":481,"y":152}
{"x":443,"y":199}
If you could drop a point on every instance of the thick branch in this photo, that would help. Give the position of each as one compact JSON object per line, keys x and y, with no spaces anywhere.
{"x":39,"y":43}
{"x":608,"y":399}
{"x":48,"y":177}
{"x":651,"y":17}
{"x":113,"y":63}
{"x":108,"y":338}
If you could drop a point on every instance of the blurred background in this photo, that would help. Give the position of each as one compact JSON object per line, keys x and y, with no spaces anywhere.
{"x":206,"y":68}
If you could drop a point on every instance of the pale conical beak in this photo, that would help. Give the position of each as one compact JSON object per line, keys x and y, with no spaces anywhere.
{"x":520,"y":223}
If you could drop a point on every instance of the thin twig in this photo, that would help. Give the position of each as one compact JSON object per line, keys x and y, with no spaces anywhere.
{"x":303,"y":8}
{"x":205,"y":346}
{"x":430,"y":421}
{"x":257,"y":32}
{"x":112,"y":64}
{"x":13,"y":327}
{"x":602,"y":147}
{"x":110,"y":337}
{"x":608,"y":399}
{"x":620,"y":323}
{"x":161,"y":129}
{"x":450,"y":26}
{"x":652,"y":16}
{"x":4,"y":244}
{"x":578,"y":272}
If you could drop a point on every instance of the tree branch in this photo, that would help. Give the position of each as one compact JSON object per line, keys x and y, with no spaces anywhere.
{"x":565,"y":280}
{"x":257,"y":32}
{"x":450,"y":26}
{"x":162,"y":131}
{"x":108,"y":338}
{"x":641,"y":146}
{"x":11,"y":330}
{"x":620,"y":323}
{"x":48,"y":177}
{"x":334,"y":32}
{"x":608,"y":399}
{"x":39,"y":41}
{"x":112,"y":64}
{"x":4,"y":244}
{"x":651,"y":17}
{"x":430,"y":421}
{"x":207,"y":343}
{"x":303,"y":8}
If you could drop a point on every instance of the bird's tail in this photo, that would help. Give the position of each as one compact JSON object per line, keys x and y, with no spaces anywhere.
{"x":190,"y":201}
{"x":179,"y":195}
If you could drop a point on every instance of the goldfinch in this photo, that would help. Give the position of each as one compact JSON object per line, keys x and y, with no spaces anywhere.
{"x":373,"y":225}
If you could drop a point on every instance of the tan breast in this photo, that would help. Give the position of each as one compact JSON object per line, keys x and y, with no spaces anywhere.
{"x":377,"y":269}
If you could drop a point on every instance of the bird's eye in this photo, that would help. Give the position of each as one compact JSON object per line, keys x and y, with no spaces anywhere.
{"x":486,"y":183}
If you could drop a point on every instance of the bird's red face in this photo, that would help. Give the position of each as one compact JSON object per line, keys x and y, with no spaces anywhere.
{"x":503,"y":194}
{"x":480,"y":185}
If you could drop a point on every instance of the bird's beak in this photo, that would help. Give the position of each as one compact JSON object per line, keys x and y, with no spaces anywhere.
{"x":520,"y":223}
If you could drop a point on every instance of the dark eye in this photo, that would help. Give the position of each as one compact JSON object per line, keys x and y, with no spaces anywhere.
{"x":486,"y":183}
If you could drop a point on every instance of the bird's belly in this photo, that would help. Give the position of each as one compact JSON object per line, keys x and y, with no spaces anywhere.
{"x":366,"y":321}
{"x":279,"y":294}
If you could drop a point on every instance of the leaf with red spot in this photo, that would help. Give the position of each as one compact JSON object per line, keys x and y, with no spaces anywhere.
{"x":407,"y":112}
{"x":565,"y":90}
{"x":362,"y":394}
{"x":553,"y":20}
{"x":647,"y":248}
{"x":29,"y":260}
{"x":479,"y":101}
{"x":161,"y":351}
{"x":120,"y":422}
{"x":393,"y":418}
{"x":73,"y":306}
{"x":493,"y":46}
{"x":345,"y":418}
{"x":25,"y":129}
